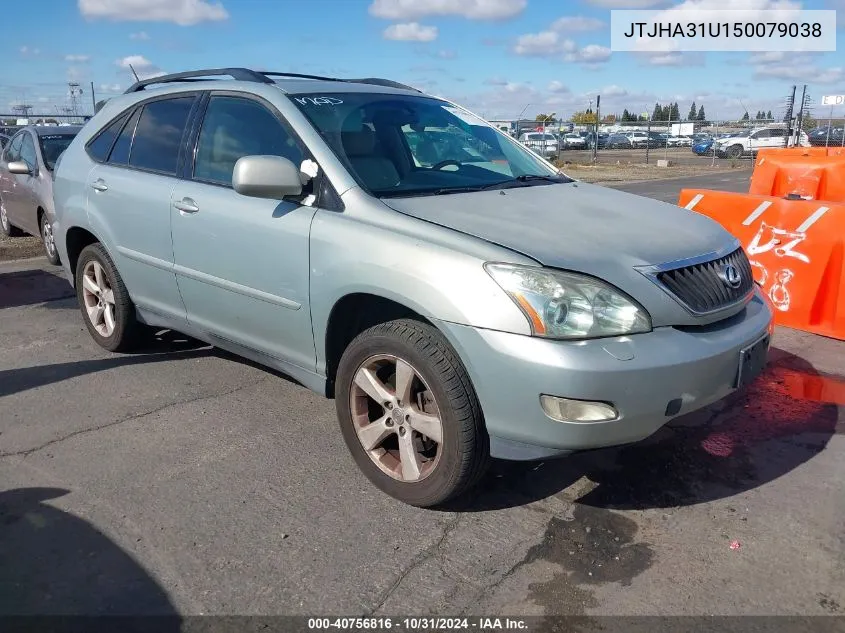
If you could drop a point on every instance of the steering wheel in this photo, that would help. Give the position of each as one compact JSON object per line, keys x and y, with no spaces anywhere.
{"x":446,"y":163}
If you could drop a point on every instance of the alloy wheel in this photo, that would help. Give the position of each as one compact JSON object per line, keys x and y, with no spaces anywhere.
{"x":396,"y":418}
{"x":99,"y":298}
{"x":49,"y":240}
{"x":4,"y":219}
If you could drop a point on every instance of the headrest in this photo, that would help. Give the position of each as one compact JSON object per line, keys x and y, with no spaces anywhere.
{"x":359,"y":143}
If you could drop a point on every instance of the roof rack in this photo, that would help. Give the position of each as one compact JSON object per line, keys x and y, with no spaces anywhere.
{"x":245,"y":74}
{"x":239,"y":74}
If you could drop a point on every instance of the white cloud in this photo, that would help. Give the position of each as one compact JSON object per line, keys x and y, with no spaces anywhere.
{"x":28,"y":50}
{"x":470,"y":9}
{"x":139,"y":36}
{"x":614,"y":91}
{"x":552,"y":44}
{"x":626,"y":4}
{"x":590,"y":54}
{"x":110,"y":88}
{"x":577,"y":23}
{"x":410,"y":32}
{"x":557,"y":87}
{"x":447,"y":54}
{"x":769,"y":57}
{"x":144,"y":67}
{"x":181,"y":12}
{"x":77,"y":59}
{"x":43,"y":99}
{"x":801,"y":71}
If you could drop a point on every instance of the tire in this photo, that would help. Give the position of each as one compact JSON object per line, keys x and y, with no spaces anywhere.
{"x":6,"y":227}
{"x":126,"y":331}
{"x":734,"y":151}
{"x":462,"y":455}
{"x":48,"y":241}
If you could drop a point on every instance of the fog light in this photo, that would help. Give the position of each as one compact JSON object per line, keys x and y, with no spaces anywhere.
{"x":568,"y":410}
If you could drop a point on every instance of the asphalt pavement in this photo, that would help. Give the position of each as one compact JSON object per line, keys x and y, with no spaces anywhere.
{"x":184,"y":480}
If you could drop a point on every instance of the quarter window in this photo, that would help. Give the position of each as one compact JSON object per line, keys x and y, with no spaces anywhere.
{"x":99,"y":148}
{"x":233,"y":128}
{"x":159,"y":135}
{"x":120,"y":152}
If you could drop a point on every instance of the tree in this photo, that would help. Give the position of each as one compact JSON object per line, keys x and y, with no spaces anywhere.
{"x":548,"y":118}
{"x":583,"y":118}
{"x":691,"y":115}
{"x":745,"y":117}
{"x":674,"y":112}
{"x":769,"y":115}
{"x":626,"y":116}
{"x":701,"y":115}
{"x":657,"y":115}
{"x":609,"y":118}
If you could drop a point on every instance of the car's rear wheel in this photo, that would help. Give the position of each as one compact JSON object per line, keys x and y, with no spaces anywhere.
{"x":409,"y":414}
{"x":107,"y":310}
{"x":6,"y":227}
{"x":48,"y":240}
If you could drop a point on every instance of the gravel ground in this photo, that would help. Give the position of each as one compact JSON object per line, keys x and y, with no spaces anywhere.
{"x":19,"y":247}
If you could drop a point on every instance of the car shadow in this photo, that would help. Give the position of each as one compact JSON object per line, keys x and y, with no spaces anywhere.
{"x":785,"y":418}
{"x":29,"y":287}
{"x":55,"y":563}
{"x":160,"y":347}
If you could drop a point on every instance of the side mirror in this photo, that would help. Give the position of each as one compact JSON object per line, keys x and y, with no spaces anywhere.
{"x":18,"y":167}
{"x":271,"y":177}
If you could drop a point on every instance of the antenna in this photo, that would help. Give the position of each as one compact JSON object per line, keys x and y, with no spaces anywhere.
{"x":134,"y":73}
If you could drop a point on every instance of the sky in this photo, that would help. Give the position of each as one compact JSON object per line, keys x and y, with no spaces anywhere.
{"x":499,"y":58}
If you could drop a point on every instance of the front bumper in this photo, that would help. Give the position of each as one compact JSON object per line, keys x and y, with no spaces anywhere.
{"x":640,"y":375}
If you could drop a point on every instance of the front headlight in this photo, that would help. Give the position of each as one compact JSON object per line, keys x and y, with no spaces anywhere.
{"x":568,"y":305}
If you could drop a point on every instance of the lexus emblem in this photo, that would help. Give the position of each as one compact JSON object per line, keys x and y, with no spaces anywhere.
{"x":730,"y":276}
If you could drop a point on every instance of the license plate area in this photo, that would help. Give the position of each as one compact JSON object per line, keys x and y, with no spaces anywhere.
{"x":752,"y":362}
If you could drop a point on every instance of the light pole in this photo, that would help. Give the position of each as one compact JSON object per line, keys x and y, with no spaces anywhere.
{"x":519,"y":117}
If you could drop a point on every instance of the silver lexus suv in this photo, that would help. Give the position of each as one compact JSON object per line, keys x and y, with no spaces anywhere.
{"x":458,"y":296}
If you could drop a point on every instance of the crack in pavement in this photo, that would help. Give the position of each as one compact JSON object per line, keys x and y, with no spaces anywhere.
{"x":418,"y":560}
{"x":29,"y":451}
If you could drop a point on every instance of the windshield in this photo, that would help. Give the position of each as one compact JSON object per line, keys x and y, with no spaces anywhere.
{"x":52,"y":146}
{"x":402,"y":145}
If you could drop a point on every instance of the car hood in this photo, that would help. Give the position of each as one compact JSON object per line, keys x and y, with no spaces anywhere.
{"x":579,"y":227}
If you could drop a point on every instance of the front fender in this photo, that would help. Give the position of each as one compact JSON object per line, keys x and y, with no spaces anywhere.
{"x":434,"y":271}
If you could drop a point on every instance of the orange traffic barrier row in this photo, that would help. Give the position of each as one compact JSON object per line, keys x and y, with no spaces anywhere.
{"x":810,"y":173}
{"x":796,"y":249}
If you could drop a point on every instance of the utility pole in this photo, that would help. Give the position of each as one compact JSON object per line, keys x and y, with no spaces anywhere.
{"x":596,"y":126}
{"x":790,"y":104}
{"x":805,"y":102}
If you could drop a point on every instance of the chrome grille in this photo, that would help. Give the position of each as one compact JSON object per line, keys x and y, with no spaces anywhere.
{"x":701,"y":288}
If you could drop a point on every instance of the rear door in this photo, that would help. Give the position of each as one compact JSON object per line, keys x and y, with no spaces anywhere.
{"x":8,"y":181}
{"x":24,"y":213}
{"x":129,"y":199}
{"x":241,"y":262}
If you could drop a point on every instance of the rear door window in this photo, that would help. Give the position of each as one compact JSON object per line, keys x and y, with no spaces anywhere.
{"x":158,"y":136}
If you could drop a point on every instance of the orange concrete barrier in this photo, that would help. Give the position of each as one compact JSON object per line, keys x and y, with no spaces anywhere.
{"x":809,"y":173}
{"x":796,"y":249}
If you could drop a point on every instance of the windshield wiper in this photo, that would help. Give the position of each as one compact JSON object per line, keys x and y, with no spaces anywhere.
{"x":533,"y":177}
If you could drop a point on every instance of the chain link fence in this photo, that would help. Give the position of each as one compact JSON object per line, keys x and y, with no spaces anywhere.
{"x":715,"y":143}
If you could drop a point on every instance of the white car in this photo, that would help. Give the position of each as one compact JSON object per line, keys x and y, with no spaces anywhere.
{"x":679,"y":141}
{"x":543,"y":143}
{"x":638,"y":139}
{"x":749,"y":141}
{"x":573,"y":141}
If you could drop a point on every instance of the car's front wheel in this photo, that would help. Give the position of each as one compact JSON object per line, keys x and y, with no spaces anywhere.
{"x":108,"y":311}
{"x":48,"y":240}
{"x":409,"y":414}
{"x":734,"y":151}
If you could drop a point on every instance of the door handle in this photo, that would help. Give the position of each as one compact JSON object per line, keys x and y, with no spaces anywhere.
{"x":99,"y":185}
{"x":186,"y":205}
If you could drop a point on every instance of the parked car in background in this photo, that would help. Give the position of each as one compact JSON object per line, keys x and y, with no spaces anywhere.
{"x":619,"y":141}
{"x":544,"y":143}
{"x":703,"y":146}
{"x":638,"y":139}
{"x":456,"y":312}
{"x":749,"y":141}
{"x":573,"y":141}
{"x":678,"y":141}
{"x":598,"y":141}
{"x":826,"y":137}
{"x":3,"y":140}
{"x":26,"y":183}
